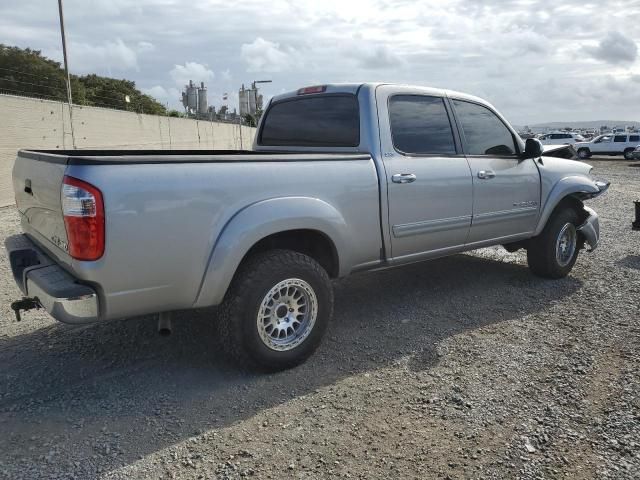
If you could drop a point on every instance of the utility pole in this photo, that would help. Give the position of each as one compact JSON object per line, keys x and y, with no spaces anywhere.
{"x":66,"y":69}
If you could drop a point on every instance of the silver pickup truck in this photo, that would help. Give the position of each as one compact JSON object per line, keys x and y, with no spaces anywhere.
{"x":341,"y":179}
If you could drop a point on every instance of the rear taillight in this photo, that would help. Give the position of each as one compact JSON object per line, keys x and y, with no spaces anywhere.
{"x":83,"y":211}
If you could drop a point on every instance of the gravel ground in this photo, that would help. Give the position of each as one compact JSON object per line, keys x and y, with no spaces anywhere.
{"x":465,"y":367}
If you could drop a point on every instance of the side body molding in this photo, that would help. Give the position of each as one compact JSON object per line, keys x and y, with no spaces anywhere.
{"x":264,"y":218}
{"x":572,"y":185}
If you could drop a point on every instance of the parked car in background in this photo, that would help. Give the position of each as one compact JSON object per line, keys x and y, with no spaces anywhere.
{"x":560,"y":138}
{"x":609,"y":144}
{"x":526,"y":135}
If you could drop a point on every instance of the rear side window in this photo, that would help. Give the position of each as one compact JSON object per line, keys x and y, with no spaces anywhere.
{"x":620,"y":138}
{"x":484,"y":132}
{"x":420,"y":125}
{"x":319,"y":121}
{"x":634,"y":138}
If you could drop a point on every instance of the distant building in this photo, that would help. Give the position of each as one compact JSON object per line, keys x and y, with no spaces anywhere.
{"x":194,"y":100}
{"x":250,"y":100}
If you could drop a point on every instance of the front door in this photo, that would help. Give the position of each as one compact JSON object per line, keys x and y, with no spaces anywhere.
{"x":602,"y":144}
{"x":429,"y":183}
{"x":506,"y":189}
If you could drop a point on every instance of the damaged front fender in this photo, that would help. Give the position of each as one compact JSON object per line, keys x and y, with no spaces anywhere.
{"x":590,"y":229}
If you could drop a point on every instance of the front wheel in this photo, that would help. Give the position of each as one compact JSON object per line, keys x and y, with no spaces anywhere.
{"x":628,"y":154}
{"x":584,"y":153}
{"x":553,"y":253}
{"x":276,"y":311}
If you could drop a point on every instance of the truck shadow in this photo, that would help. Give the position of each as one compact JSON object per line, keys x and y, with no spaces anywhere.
{"x":73,"y":390}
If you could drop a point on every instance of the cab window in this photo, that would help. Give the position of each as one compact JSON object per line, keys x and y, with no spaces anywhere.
{"x":484,"y":132}
{"x":420,"y":125}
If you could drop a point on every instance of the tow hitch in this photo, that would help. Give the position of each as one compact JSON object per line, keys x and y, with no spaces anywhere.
{"x":27,"y":303}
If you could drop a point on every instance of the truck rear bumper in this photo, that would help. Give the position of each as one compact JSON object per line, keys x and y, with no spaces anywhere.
{"x":56,"y":290}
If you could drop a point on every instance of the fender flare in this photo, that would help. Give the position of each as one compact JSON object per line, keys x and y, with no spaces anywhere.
{"x":575,"y":185}
{"x":259,"y":220}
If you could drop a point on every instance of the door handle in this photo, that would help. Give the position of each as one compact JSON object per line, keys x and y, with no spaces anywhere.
{"x":486,"y":174}
{"x":403,"y":178}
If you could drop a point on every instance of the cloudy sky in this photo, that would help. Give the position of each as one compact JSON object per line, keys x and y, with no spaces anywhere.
{"x":535,"y":60}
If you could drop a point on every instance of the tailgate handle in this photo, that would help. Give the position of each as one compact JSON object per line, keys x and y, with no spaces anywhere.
{"x":27,"y":186}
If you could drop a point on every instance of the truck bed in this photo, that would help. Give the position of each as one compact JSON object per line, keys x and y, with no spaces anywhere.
{"x":169,"y":214}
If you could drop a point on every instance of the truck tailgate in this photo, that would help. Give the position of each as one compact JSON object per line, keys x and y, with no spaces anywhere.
{"x":37,"y":185}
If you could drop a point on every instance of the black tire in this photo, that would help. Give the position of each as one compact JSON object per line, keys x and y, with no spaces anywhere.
{"x":584,"y":153}
{"x":542,"y":250}
{"x":628,"y":154}
{"x":256,"y":278}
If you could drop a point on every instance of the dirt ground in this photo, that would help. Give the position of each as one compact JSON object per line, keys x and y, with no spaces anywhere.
{"x":464,"y":367}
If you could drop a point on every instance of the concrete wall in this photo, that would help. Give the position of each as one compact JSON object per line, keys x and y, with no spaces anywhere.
{"x":35,"y":123}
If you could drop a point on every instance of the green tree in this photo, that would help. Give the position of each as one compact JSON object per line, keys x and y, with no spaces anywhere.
{"x":28,"y":72}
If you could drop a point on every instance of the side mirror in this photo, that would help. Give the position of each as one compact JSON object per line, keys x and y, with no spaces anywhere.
{"x":533,"y":148}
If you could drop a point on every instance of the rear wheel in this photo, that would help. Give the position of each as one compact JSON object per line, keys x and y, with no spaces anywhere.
{"x":584,"y":153}
{"x":276,"y":311}
{"x":628,"y":154}
{"x":553,"y":253}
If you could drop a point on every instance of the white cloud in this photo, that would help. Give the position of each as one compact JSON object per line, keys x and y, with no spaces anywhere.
{"x":112,"y":55}
{"x":145,"y":47}
{"x":158,"y":91}
{"x":615,"y":48}
{"x":264,"y":56}
{"x":163,"y":95}
{"x":181,"y":74}
{"x":376,"y":57}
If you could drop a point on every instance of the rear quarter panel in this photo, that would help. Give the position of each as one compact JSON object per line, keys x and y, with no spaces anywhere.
{"x":163,"y":221}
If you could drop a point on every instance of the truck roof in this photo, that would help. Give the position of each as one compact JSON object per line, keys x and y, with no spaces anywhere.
{"x":353,"y":88}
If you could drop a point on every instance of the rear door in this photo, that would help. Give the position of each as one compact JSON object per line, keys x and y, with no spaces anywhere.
{"x":619,"y":143}
{"x":429,"y":182}
{"x":506,"y":189}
